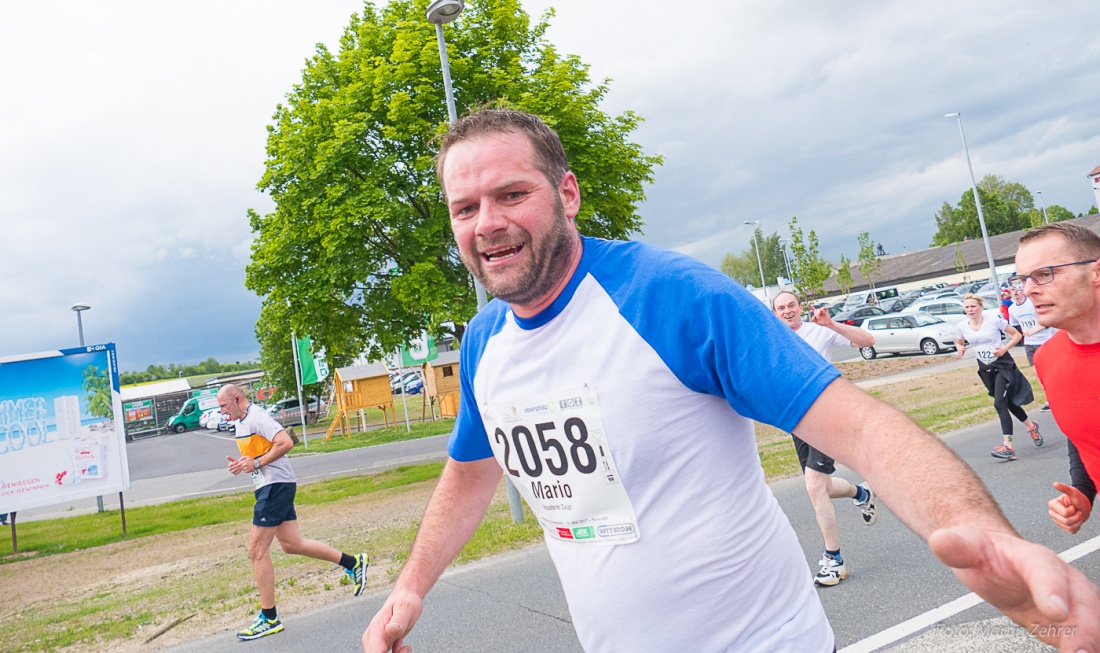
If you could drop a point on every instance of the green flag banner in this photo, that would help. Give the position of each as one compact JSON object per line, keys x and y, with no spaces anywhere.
{"x":419,"y":351}
{"x":314,"y":368}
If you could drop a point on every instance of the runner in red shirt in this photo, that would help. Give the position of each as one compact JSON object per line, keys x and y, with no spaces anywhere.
{"x":1057,"y":266}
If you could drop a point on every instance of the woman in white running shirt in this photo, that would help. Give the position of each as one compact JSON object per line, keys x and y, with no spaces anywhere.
{"x":981,"y":332}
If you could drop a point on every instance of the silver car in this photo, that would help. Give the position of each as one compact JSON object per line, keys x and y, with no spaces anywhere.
{"x":901,"y":333}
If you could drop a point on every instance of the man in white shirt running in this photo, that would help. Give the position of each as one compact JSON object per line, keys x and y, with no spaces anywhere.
{"x":1022,"y":315}
{"x":824,"y":333}
{"x":616,"y":383}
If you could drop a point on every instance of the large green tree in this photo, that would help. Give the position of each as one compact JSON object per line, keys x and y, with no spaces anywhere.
{"x":744,"y":267}
{"x":808,"y":267}
{"x":359,"y":244}
{"x":1006,"y":207}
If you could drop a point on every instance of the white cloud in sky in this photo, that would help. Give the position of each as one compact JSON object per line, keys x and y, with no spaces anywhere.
{"x":132,"y":136}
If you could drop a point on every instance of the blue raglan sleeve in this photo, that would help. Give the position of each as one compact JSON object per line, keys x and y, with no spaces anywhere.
{"x":713,"y":335}
{"x":468,"y":440}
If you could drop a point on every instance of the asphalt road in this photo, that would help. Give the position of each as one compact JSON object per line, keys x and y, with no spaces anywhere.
{"x":514,"y":603}
{"x":896,"y":599}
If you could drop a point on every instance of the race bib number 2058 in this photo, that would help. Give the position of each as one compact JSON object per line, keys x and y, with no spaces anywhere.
{"x":555,"y":451}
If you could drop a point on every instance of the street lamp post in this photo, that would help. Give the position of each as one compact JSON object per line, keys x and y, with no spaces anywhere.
{"x":79,"y":308}
{"x":994,"y":279}
{"x":1043,"y":207}
{"x":787,"y":261}
{"x":759,"y":263}
{"x":441,"y":12}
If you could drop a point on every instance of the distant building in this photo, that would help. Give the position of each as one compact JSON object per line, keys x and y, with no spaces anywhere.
{"x":935,"y":264}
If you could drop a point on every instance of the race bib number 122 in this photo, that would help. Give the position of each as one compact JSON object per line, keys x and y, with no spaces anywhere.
{"x":555,"y":451}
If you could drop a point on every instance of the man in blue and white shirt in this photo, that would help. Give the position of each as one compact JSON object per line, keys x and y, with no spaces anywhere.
{"x":616,"y":384}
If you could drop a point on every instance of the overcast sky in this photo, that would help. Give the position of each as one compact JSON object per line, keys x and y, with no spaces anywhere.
{"x":132,"y":137}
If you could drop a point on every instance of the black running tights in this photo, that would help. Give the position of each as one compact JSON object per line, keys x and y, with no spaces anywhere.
{"x":1005,"y":408}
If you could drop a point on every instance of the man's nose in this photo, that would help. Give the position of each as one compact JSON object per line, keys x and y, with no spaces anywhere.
{"x":490,"y":219}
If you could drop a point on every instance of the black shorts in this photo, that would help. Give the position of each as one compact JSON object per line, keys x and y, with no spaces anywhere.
{"x":807,"y":455}
{"x":274,"y":504}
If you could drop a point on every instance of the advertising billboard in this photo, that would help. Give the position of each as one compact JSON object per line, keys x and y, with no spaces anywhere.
{"x":61,"y":427}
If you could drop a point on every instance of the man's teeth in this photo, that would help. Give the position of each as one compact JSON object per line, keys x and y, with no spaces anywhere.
{"x":501,"y":254}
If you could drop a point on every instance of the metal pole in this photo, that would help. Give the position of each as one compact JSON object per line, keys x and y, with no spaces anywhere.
{"x":446,"y":66}
{"x":80,"y":332}
{"x":514,"y":503}
{"x":1042,"y":206}
{"x":302,"y":407}
{"x":452,"y":115}
{"x":759,"y":264}
{"x":994,"y":279}
{"x":787,"y":261}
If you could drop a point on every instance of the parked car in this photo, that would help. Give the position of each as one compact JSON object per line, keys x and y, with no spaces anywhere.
{"x":407,"y":383}
{"x":916,"y":332}
{"x":874,"y":297}
{"x":898,"y":305}
{"x":990,"y":292}
{"x":856,"y":316}
{"x":946,"y":308}
{"x":288,"y":411}
{"x":210,"y":418}
{"x":969,"y":286}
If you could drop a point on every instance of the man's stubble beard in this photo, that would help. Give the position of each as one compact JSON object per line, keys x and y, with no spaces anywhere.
{"x":547,"y":265}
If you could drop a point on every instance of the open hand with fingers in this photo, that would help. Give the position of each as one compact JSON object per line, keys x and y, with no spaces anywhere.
{"x":1031,"y":585}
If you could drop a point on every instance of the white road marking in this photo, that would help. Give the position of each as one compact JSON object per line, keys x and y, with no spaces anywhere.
{"x":935,"y":615}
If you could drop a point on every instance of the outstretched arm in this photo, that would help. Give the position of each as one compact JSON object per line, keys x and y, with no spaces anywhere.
{"x":454,"y":511}
{"x":960,"y":520}
{"x":855,"y":335}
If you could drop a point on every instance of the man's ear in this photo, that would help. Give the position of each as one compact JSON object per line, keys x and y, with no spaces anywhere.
{"x":570,"y":194}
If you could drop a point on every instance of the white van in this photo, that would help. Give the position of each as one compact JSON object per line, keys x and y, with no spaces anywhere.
{"x":876,"y":296}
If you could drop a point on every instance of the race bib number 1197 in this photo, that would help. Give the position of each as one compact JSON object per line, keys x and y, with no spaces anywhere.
{"x":555,"y":451}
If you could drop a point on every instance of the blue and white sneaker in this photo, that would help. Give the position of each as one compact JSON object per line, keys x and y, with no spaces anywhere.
{"x":832,"y":571}
{"x":867,"y":506}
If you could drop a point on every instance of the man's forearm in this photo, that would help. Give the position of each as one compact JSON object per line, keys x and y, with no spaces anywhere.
{"x":922,"y":481}
{"x":857,"y":336}
{"x":456,"y":508}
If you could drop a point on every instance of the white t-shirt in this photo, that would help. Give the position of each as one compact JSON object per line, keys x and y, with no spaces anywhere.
{"x":986,"y":339}
{"x":254,"y":436}
{"x":623,"y":412}
{"x":822,"y":339}
{"x":1023,"y":317}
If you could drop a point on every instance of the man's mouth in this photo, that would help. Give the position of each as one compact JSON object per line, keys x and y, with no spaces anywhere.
{"x":501,"y":253}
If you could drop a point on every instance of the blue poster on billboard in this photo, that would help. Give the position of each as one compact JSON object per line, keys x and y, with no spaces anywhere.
{"x":59,"y":437}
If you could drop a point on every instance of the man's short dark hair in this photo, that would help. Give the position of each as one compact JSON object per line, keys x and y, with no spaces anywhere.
{"x":1082,"y":241}
{"x":549,"y":154}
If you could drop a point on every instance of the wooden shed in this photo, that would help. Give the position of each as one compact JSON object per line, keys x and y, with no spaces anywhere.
{"x":441,"y":382}
{"x":359,"y":387}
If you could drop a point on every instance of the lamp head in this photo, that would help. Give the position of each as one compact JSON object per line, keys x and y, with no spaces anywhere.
{"x":441,"y":12}
{"x":951,"y":115}
{"x":80,"y":306}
